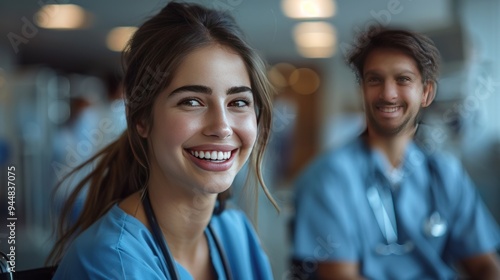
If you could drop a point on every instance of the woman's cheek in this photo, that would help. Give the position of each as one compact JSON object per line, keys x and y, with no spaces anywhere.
{"x":249,"y":131}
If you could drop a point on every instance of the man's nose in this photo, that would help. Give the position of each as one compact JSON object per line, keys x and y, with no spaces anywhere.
{"x":389,"y":91}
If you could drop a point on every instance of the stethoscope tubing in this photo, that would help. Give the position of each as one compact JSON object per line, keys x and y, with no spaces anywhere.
{"x":434,"y":226}
{"x":160,"y":240}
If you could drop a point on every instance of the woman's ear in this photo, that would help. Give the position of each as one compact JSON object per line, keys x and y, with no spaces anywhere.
{"x":429,"y":93}
{"x":142,"y":129}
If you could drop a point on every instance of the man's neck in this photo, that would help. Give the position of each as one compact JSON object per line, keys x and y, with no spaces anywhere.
{"x":393,"y":147}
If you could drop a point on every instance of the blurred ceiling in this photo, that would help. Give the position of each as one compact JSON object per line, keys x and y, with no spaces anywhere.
{"x":263,"y":21}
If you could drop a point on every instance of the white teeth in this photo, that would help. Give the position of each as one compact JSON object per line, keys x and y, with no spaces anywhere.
{"x":388,"y":109}
{"x":212,"y":155}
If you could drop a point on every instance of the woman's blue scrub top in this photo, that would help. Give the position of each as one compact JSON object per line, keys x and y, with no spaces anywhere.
{"x":118,"y":246}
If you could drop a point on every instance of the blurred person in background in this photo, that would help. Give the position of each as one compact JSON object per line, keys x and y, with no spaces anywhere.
{"x":198,"y":106}
{"x":76,"y":140}
{"x":116,"y":111}
{"x":382,"y":206}
{"x":97,"y":117}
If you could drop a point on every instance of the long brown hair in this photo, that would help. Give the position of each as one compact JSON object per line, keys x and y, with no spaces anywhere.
{"x":151,"y":58}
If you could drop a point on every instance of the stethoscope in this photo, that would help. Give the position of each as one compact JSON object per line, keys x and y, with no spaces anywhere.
{"x":160,"y":240}
{"x":4,"y":266}
{"x":381,"y":201}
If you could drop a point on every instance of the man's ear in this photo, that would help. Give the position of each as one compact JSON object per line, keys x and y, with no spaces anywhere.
{"x":429,"y":93}
{"x":142,"y":129}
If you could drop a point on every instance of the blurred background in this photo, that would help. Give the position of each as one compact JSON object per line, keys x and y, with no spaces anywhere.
{"x":60,"y":94}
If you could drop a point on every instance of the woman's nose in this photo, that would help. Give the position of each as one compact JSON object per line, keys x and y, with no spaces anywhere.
{"x":217,"y":124}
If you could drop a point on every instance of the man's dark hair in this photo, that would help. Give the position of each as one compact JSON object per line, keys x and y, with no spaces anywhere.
{"x":418,"y":46}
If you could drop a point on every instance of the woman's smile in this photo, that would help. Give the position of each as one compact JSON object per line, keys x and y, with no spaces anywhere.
{"x":213,"y":160}
{"x":205,"y":122}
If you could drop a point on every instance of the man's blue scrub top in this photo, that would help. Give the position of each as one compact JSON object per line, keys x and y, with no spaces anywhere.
{"x":335,"y":222}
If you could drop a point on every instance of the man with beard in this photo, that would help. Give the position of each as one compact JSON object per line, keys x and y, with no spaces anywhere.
{"x":382,"y":207}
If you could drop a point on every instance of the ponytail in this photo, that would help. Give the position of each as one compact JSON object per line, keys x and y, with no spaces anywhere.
{"x":117,"y":175}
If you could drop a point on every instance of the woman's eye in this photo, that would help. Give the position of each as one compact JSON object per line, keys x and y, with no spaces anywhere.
{"x":190,"y":102}
{"x":240,"y":103}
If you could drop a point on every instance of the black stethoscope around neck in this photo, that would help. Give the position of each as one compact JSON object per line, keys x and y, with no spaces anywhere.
{"x":381,"y":200}
{"x":160,"y":240}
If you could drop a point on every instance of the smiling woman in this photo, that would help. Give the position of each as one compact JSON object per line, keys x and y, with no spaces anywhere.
{"x":198,"y":108}
{"x":207,"y":108}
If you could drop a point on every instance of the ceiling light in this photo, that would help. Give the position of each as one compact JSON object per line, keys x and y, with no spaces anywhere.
{"x":309,"y":8}
{"x":315,"y":39}
{"x":118,"y":37}
{"x":67,"y":16}
{"x":280,"y":73}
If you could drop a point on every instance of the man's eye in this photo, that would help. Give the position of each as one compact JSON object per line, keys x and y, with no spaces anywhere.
{"x":372,"y":80}
{"x":403,"y":79}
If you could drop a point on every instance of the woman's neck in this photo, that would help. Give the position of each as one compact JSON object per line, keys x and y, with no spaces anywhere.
{"x":182,"y":217}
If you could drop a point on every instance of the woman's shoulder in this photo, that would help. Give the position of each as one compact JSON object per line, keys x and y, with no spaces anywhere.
{"x":114,"y":231}
{"x":113,"y":240}
{"x":230,"y":218}
{"x":233,"y":226}
{"x":241,"y":244}
{"x":113,"y":228}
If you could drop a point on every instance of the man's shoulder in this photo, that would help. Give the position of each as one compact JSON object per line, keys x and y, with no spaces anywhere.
{"x":444,"y":161}
{"x":334,"y":171}
{"x":340,"y":157}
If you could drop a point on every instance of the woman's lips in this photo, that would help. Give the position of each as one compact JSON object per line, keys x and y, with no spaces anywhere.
{"x":212,"y":160}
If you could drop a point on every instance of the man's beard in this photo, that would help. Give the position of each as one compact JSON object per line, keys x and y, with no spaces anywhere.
{"x":409,"y":122}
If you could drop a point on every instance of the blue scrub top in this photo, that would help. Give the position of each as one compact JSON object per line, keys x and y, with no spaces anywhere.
{"x":118,"y":246}
{"x":335,"y":222}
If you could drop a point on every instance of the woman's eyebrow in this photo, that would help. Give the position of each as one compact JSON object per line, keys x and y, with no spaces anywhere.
{"x":191,"y":88}
{"x":207,"y":90}
{"x":239,"y":89}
